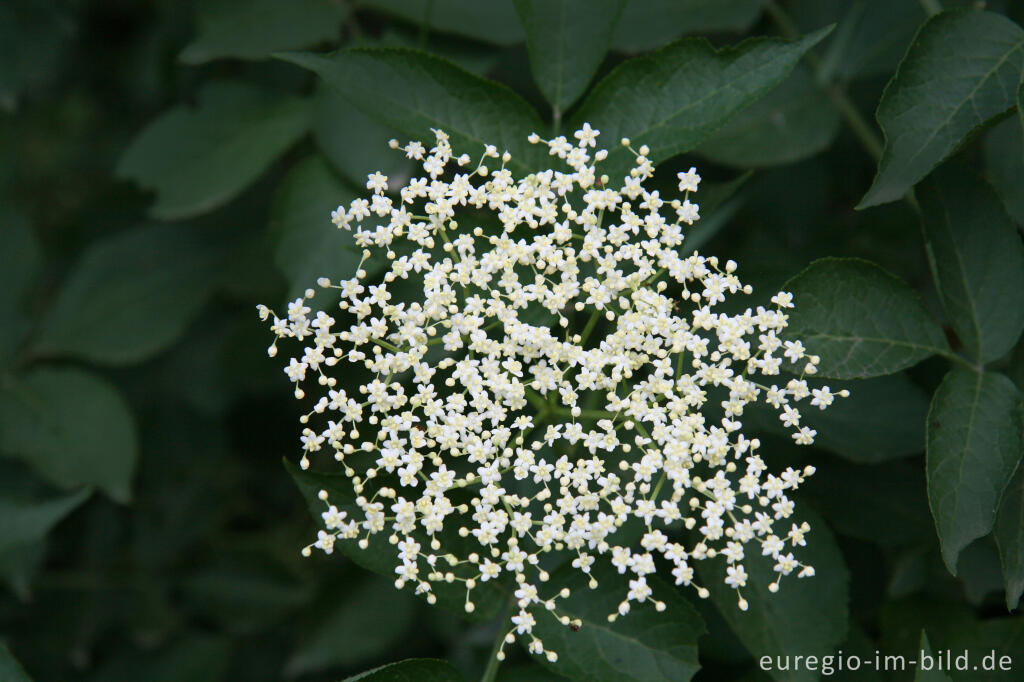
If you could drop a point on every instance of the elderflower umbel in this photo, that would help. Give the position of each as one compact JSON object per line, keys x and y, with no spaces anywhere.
{"x":540,"y":372}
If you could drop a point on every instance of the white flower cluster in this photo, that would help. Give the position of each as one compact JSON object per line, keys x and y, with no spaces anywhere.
{"x":540,"y":375}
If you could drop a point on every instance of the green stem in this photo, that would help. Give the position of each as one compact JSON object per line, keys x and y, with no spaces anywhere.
{"x":586,"y":414}
{"x":931,"y":7}
{"x":385,"y":344}
{"x":537,"y":400}
{"x":491,"y":671}
{"x":962,"y":361}
{"x":858,"y":125}
{"x":591,"y":323}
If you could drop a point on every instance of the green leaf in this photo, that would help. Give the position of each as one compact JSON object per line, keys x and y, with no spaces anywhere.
{"x":719,"y":202}
{"x":244,"y":592}
{"x":1009,"y":534}
{"x":34,"y":37}
{"x":19,"y":262}
{"x":871,"y":37}
{"x":960,"y":71}
{"x":974,"y":445}
{"x":362,"y":626}
{"x":194,"y":657}
{"x":381,"y":557}
{"x":252,"y":29}
{"x":644,"y":645}
{"x":1004,"y":166}
{"x":977,"y":260}
{"x":1020,"y":100}
{"x":808,"y":615}
{"x":197,"y":159}
{"x":861,"y":320}
{"x":19,"y":566}
{"x":885,"y":504}
{"x":883,"y":418}
{"x":792,"y":122}
{"x":72,"y":427}
{"x":567,"y":40}
{"x":999,"y":639}
{"x":10,"y":669}
{"x":979,"y":571}
{"x":410,"y":670}
{"x":651,"y":23}
{"x":354,"y":143}
{"x":492,"y":22}
{"x":307,"y":245}
{"x":675,"y":98}
{"x":931,"y":673}
{"x":129,"y":296}
{"x":24,"y":522}
{"x":414,"y":91}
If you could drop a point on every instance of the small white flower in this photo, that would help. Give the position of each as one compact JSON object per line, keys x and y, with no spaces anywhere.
{"x":537,"y":382}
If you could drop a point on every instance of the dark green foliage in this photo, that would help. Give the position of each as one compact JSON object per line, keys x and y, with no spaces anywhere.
{"x":165,"y":166}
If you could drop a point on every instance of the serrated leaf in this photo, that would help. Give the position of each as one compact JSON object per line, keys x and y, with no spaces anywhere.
{"x":675,"y":98}
{"x":977,"y":261}
{"x":24,"y":522}
{"x":960,"y":71}
{"x":197,"y":159}
{"x":1009,"y":535}
{"x":253,"y":29}
{"x":792,"y":122}
{"x":414,"y":91}
{"x":567,"y":41}
{"x":129,"y":296}
{"x":861,"y":320}
{"x":10,"y":669}
{"x":974,"y":445}
{"x":492,"y":22}
{"x":809,"y":615}
{"x":647,"y":24}
{"x":931,"y":673}
{"x":360,"y":627}
{"x":418,"y":669}
{"x":381,"y":557}
{"x":1004,"y":166}
{"x":643,"y":645}
{"x":307,"y":245}
{"x":72,"y":427}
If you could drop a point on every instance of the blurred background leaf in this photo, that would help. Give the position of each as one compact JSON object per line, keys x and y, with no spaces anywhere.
{"x":197,"y":159}
{"x":253,"y":29}
{"x":132,"y":362}
{"x":72,"y":427}
{"x":129,"y":296}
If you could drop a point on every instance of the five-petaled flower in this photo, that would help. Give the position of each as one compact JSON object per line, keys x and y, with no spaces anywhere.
{"x":539,"y":367}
